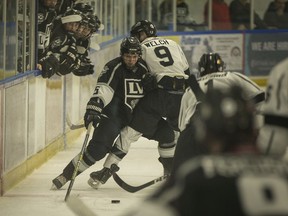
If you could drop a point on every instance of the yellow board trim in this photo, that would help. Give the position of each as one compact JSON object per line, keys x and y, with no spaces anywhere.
{"x":13,"y":177}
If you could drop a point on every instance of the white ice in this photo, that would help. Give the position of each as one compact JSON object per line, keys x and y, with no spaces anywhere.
{"x":33,"y":196}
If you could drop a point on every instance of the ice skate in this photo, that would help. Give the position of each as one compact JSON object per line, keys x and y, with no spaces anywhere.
{"x":58,"y":182}
{"x":100,"y":177}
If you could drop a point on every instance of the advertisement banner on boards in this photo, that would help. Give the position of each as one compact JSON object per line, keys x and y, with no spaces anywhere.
{"x":264,"y":51}
{"x":229,"y":46}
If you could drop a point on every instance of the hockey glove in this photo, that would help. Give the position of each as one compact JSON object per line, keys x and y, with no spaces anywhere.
{"x":93,"y":112}
{"x":149,"y":82}
{"x":72,"y":52}
{"x":85,"y":68}
{"x":50,"y":65}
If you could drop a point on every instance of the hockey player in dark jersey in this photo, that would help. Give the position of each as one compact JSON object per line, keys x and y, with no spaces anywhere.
{"x":46,"y":15}
{"x":117,"y":91}
{"x":61,"y":56}
{"x":232,"y":178}
{"x":212,"y":75}
{"x":87,"y":28}
{"x":157,"y":113}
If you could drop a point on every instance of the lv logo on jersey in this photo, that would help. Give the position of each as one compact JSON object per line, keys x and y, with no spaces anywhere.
{"x":133,"y":88}
{"x":133,"y":91}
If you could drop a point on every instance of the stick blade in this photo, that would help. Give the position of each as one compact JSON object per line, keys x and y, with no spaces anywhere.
{"x":133,"y":189}
{"x":123,"y":184}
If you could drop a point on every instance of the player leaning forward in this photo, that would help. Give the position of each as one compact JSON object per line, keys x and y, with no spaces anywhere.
{"x":110,"y":108}
{"x":167,"y":62}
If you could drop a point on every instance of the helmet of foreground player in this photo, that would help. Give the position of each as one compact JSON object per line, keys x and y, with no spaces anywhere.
{"x":227,"y":116}
{"x":209,"y":63}
{"x":144,"y":25}
{"x":130,"y":45}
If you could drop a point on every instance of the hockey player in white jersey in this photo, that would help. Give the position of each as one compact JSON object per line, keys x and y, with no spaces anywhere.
{"x":165,"y":56}
{"x":168,"y":64}
{"x":273,"y":135}
{"x":212,"y":76}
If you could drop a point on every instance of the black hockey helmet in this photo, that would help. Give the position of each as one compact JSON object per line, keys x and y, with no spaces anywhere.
{"x":83,"y":7}
{"x":209,"y":63}
{"x":130,"y":45}
{"x":88,"y":26}
{"x":144,"y":25}
{"x":94,"y":23}
{"x":226,"y":115}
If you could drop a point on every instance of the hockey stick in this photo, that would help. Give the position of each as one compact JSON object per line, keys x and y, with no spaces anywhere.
{"x":79,"y":160}
{"x":133,"y":189}
{"x":73,"y":126}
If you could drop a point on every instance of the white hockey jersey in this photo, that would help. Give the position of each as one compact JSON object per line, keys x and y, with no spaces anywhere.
{"x":164,"y":57}
{"x":219,"y":80}
{"x":273,"y":138}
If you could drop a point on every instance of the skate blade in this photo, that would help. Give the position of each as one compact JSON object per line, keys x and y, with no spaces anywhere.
{"x":94,"y":184}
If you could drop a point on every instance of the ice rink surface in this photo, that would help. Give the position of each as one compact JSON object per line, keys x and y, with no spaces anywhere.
{"x":33,"y":196}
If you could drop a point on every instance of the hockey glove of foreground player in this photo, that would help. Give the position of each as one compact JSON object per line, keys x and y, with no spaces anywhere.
{"x":86,"y":67}
{"x":93,"y":112}
{"x":50,"y":65}
{"x":149,"y":82}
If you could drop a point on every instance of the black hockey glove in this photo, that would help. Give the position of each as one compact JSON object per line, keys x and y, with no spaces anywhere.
{"x":68,"y":64}
{"x":50,"y":65}
{"x":72,"y":52}
{"x":86,"y":68}
{"x":93,"y":112}
{"x":149,"y":82}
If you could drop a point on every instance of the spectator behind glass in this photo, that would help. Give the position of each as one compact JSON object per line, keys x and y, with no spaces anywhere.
{"x":166,"y":13}
{"x":182,"y":11}
{"x":220,"y":15}
{"x":276,"y":15}
{"x":240,"y":16}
